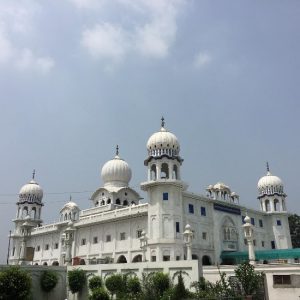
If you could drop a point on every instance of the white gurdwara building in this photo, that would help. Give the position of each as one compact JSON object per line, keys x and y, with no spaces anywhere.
{"x":174,"y":224}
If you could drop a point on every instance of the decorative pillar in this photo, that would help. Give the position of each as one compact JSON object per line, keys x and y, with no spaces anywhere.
{"x":248,"y":230}
{"x":188,"y":236}
{"x":69,"y":237}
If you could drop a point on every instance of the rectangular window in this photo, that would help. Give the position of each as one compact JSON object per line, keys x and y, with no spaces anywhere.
{"x":165,"y":196}
{"x":204,"y":235}
{"x":177,"y":227}
{"x":153,"y":258}
{"x":245,"y":242}
{"x":243,"y":219}
{"x":203,"y":211}
{"x":95,"y":240}
{"x":261,"y":224}
{"x":122,"y":236}
{"x":278,"y":222}
{"x":177,"y":257}
{"x":253,"y":221}
{"x":108,"y":238}
{"x":254,"y":242}
{"x":282,"y":279}
{"x":47,"y":247}
{"x":139,"y":233}
{"x":166,"y":258}
{"x":56,"y":246}
{"x":14,"y":250}
{"x":83,"y":242}
{"x":273,"y":245}
{"x":38,"y":248}
{"x":191,"y":208}
{"x":262,"y":243}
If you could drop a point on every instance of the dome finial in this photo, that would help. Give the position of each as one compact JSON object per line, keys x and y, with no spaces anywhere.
{"x":70,"y":198}
{"x":33,"y":174}
{"x":117,"y":150}
{"x":268,"y":168}
{"x":162,"y":122}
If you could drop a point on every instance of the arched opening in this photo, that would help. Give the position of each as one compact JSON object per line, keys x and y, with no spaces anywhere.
{"x":25,"y":212}
{"x":137,"y":258}
{"x":206,"y":261}
{"x":267,"y":204}
{"x":194,"y":257}
{"x":153,"y":172}
{"x":82,"y":262}
{"x":55,"y":263}
{"x":118,"y":202}
{"x":102,"y":202}
{"x":125,"y":203}
{"x":66,"y":217}
{"x":33,"y":213}
{"x":108,"y":201}
{"x":164,"y":174}
{"x":70,"y":216}
{"x":45,"y":264}
{"x":175,"y":172}
{"x":276,"y":205}
{"x":36,"y":264}
{"x":122,"y":259}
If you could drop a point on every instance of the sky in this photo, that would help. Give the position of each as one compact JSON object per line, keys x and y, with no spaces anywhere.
{"x":78,"y":77}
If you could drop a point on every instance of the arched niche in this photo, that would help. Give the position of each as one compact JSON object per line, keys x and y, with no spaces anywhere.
{"x":137,"y":258}
{"x":122,"y":259}
{"x":153,"y":174}
{"x":164,"y":173}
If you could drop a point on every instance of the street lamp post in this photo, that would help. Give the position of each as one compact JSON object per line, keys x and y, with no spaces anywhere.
{"x":248,"y":231}
{"x":144,"y":244}
{"x":188,"y":236}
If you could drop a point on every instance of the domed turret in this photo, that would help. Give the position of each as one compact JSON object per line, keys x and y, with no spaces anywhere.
{"x":270,"y":193}
{"x":31,"y":192}
{"x":70,"y":211}
{"x":163,"y":142}
{"x":270,"y":184}
{"x":116,"y":172}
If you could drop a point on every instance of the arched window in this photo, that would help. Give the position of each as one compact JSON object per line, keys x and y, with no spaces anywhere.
{"x":153,"y":172}
{"x":33,"y":213}
{"x":276,"y":205}
{"x":66,"y":216}
{"x":206,"y":261}
{"x":25,"y":211}
{"x":118,"y":202}
{"x":175,"y":172}
{"x":122,"y":260}
{"x":164,"y":174}
{"x":125,"y":203}
{"x":137,"y":258}
{"x":102,"y":202}
{"x":70,"y":216}
{"x":108,"y":201}
{"x":267,"y":204}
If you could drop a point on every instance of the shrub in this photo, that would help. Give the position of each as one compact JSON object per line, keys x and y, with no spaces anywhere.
{"x":15,"y":284}
{"x":161,"y":283}
{"x":48,"y":281}
{"x":114,"y":283}
{"x":99,"y":293}
{"x":95,"y":282}
{"x":134,"y":286}
{"x":77,"y":280}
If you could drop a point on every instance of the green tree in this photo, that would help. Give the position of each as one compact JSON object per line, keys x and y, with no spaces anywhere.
{"x":180,"y":292}
{"x":77,"y":280}
{"x":48,"y":281}
{"x":15,"y":284}
{"x":250,"y":281}
{"x":160,"y":283}
{"x":134,"y":287}
{"x":99,"y":293}
{"x":294,"y":223}
{"x":95,"y":282}
{"x":114,"y":283}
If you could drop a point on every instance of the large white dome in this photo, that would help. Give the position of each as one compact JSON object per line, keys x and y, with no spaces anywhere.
{"x":116,"y":172}
{"x":31,"y":192}
{"x":163,"y":142}
{"x":270,"y":184}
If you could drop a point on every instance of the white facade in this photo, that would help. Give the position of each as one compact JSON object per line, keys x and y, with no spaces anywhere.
{"x":120,"y":229}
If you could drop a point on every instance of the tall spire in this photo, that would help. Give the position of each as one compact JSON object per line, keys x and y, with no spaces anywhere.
{"x":70,"y":198}
{"x":117,"y":150}
{"x":268,"y":168}
{"x":162,"y":122}
{"x":33,"y":174}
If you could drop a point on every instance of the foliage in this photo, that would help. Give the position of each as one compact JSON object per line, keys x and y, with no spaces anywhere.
{"x":250,"y":281}
{"x":114,"y":283}
{"x":77,"y":280}
{"x":134,"y":286}
{"x":15,"y":284}
{"x":48,"y":280}
{"x":99,"y":293}
{"x":294,"y":223}
{"x":95,"y":282}
{"x":203,"y":288}
{"x":180,"y":292}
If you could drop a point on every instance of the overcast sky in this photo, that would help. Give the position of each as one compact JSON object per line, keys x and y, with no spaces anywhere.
{"x":78,"y":77}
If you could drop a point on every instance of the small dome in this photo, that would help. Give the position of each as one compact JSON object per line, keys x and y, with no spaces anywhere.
{"x":70,"y":205}
{"x":31,"y":192}
{"x":270,"y":184}
{"x":116,"y":172}
{"x":163,"y":140}
{"x":247,"y":219}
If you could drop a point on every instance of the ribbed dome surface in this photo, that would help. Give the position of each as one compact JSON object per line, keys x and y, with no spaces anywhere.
{"x":31,"y":192}
{"x":70,"y":205}
{"x":270,"y":184}
{"x":116,"y":172}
